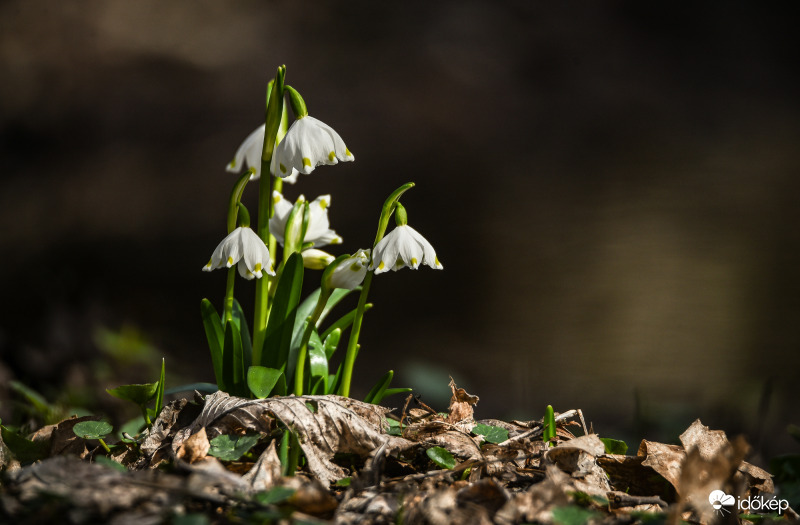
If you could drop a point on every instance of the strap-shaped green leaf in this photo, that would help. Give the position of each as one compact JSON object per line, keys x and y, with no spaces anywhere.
{"x":233,"y":365}
{"x":380,"y":387}
{"x":280,"y":326}
{"x":160,"y":389}
{"x":240,"y":321}
{"x":216,"y":338}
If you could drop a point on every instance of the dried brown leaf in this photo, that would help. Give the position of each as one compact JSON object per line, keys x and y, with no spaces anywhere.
{"x":265,"y":472}
{"x":195,"y":447}
{"x":664,"y":459}
{"x":461,"y":403}
{"x":324,"y":425}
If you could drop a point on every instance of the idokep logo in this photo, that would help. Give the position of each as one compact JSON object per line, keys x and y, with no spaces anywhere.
{"x":719,"y":500}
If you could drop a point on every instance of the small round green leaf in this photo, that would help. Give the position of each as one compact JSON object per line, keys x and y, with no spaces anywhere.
{"x":92,"y":429}
{"x":615,"y":446}
{"x":231,"y":448}
{"x":491,"y":434}
{"x":442,"y":457}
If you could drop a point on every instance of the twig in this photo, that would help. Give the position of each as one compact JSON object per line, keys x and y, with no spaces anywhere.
{"x":536,"y":431}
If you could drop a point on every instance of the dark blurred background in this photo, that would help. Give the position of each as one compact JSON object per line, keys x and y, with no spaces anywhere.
{"x":611,"y":187}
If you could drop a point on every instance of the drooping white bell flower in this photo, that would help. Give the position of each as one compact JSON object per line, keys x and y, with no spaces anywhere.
{"x":308,"y":143}
{"x":349,"y":272}
{"x":249,"y":154}
{"x":403,"y":247}
{"x":244,"y":248}
{"x":318,"y":230}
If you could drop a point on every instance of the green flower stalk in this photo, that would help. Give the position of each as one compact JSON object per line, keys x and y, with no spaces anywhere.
{"x":241,"y":246}
{"x":265,"y":205}
{"x":352,"y":345}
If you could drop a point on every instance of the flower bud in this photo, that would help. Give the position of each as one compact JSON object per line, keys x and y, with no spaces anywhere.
{"x":315,"y":259}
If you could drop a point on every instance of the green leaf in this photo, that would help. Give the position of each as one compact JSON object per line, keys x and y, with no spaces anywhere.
{"x":380,"y":387}
{"x":392,"y":391}
{"x":275,"y":495}
{"x":160,"y":391}
{"x":203,"y":388}
{"x":304,"y":310}
{"x":615,"y":446}
{"x":216,"y":338}
{"x":343,"y":322}
{"x":280,"y":325}
{"x":108,"y":462}
{"x":318,"y":361}
{"x":261,"y":380}
{"x":33,"y":397}
{"x":139,"y":394}
{"x":233,"y":364}
{"x":490,"y":433}
{"x":549,"y":422}
{"x":280,"y":388}
{"x":231,"y":448}
{"x":25,"y":450}
{"x":344,"y":482}
{"x":572,"y":515}
{"x":395,"y":428}
{"x":331,"y":342}
{"x":244,"y":333}
{"x":442,"y":457}
{"x":92,"y":429}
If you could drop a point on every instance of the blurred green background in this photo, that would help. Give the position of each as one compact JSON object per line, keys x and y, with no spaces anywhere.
{"x":612,"y":189}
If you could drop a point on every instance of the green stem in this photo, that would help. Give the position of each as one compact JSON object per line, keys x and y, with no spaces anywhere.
{"x":146,"y":417}
{"x":355,"y":331}
{"x":228,"y":315}
{"x":261,"y":311}
{"x":303,"y":351}
{"x":266,"y":208}
{"x":294,"y":454}
{"x":103,"y":444}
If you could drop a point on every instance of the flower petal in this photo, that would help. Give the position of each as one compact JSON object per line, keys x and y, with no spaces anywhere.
{"x":249,"y":153}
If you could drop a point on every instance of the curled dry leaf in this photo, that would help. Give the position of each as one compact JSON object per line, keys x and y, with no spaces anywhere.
{"x":461,"y":403}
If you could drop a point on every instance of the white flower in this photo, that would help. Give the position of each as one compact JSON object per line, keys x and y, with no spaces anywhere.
{"x":250,"y":153}
{"x":404,"y":246}
{"x":350,"y":272}
{"x":318,"y":231}
{"x":245,"y":247}
{"x":307,"y":144}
